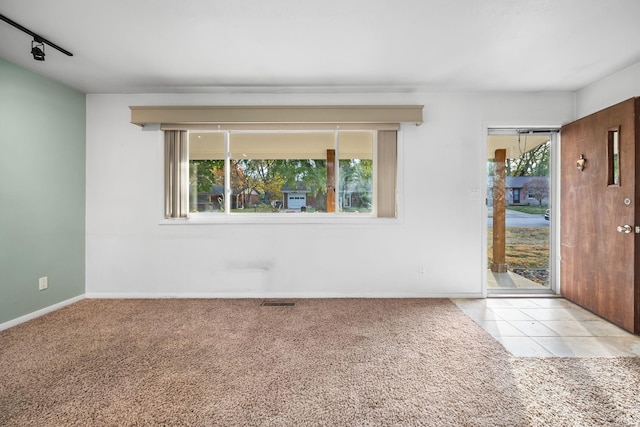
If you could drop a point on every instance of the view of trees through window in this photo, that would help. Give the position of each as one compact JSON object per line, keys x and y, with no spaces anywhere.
{"x":281,"y":183}
{"x":530,"y":163}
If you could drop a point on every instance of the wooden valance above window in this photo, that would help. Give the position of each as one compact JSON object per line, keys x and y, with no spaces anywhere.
{"x":181,"y":116}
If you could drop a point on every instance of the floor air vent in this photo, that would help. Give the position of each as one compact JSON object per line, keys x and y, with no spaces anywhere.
{"x":275,"y":303}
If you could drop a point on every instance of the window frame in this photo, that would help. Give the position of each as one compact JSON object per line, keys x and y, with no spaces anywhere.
{"x":228,"y":216}
{"x":337,"y":217}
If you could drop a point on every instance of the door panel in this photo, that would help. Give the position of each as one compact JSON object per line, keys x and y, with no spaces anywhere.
{"x":597,"y":261}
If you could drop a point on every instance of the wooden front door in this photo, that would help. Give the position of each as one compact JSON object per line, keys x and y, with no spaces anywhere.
{"x":599,"y":254}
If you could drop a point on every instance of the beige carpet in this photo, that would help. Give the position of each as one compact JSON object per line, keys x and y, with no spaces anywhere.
{"x":342,"y":362}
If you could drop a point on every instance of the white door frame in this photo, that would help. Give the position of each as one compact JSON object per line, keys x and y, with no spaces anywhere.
{"x":554,"y":197}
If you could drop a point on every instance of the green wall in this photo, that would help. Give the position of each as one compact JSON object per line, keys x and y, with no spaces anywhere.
{"x":42,"y":191}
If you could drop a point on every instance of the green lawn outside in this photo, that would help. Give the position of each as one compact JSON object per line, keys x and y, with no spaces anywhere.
{"x":526,"y":247}
{"x":529,"y":209}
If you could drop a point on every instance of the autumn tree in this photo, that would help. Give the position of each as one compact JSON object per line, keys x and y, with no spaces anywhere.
{"x":203,"y":176}
{"x":534,"y":162}
{"x":264,"y":177}
{"x":538,"y":188}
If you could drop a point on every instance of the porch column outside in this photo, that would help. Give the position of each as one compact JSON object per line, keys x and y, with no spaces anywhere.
{"x":331,"y":180}
{"x":499,"y":264}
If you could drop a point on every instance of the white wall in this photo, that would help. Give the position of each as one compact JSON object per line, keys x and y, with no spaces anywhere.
{"x":441,"y":224}
{"x":609,"y":91}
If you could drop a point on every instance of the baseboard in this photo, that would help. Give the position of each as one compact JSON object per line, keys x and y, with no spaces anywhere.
{"x":41,"y":312}
{"x":249,"y":295}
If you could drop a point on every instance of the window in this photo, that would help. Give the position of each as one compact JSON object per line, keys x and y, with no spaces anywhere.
{"x":613,"y":156}
{"x":330,"y":160}
{"x":271,"y":172}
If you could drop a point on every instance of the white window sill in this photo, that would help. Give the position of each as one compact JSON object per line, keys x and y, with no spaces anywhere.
{"x":278,"y":218}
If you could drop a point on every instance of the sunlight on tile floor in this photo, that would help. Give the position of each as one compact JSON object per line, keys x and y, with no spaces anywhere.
{"x":549,"y":327}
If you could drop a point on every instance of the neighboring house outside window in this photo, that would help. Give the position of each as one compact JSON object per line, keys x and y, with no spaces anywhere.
{"x":516,"y":192}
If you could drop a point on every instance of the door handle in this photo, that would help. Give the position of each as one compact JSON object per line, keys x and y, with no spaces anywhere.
{"x":624,"y":229}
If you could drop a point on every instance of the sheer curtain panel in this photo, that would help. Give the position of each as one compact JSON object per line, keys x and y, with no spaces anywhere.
{"x":387,"y":173}
{"x":176,"y":173}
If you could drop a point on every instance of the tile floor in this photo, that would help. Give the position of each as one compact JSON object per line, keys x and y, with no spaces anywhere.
{"x":549,"y":327}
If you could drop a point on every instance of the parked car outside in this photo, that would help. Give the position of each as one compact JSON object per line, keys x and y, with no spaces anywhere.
{"x":547,"y":214}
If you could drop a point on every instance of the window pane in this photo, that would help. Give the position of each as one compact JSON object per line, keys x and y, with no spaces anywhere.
{"x":206,"y":172}
{"x":614,"y":157}
{"x":356,"y":172}
{"x":279,"y":172}
{"x":272,"y":172}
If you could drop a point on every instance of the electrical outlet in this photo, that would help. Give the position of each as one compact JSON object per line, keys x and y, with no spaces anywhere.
{"x":421,"y":270}
{"x":43,"y":283}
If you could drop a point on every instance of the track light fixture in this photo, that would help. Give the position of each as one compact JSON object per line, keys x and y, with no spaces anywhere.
{"x":37,"y":45}
{"x":37,"y":49}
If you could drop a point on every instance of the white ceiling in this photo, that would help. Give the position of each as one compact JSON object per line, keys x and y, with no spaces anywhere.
{"x":325,"y":45}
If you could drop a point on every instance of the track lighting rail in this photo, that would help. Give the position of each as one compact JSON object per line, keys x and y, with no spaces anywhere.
{"x":36,"y":37}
